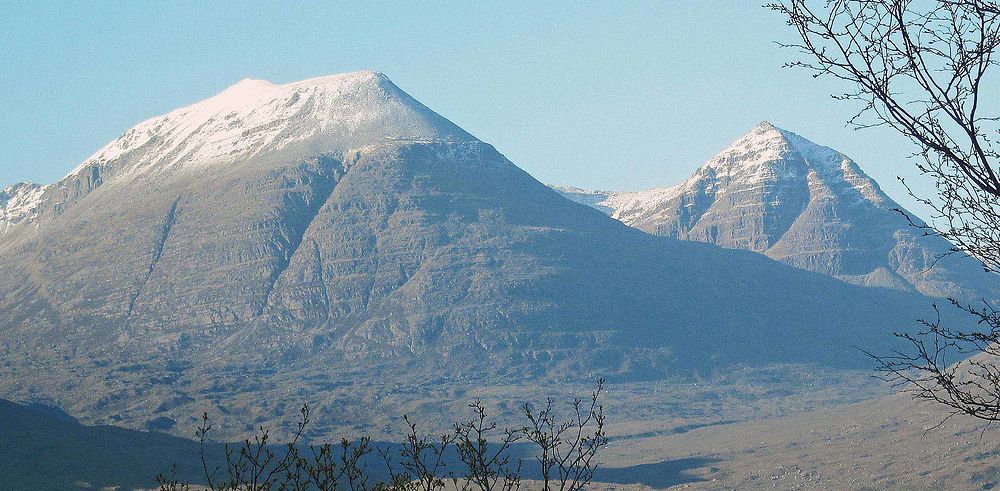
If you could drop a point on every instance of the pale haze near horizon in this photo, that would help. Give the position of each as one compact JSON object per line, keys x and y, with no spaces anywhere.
{"x":615,"y":97}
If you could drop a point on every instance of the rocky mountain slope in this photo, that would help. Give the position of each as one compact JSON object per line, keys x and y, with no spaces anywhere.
{"x":334,"y":241}
{"x":776,"y":193}
{"x":19,"y":203}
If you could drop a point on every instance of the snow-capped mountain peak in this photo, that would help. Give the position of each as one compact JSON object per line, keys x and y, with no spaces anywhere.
{"x":257,"y":117}
{"x":767,"y":150}
{"x":758,"y":151}
{"x":765,"y":154}
{"x":775,"y":192}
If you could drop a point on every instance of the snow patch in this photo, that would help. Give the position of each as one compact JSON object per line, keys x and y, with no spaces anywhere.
{"x":630,"y":203}
{"x":19,"y":203}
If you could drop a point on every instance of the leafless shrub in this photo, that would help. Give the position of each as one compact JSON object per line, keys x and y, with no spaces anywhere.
{"x":566,"y":450}
{"x":488,"y":466}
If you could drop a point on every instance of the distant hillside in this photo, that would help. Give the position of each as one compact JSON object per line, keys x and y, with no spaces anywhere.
{"x":41,"y":448}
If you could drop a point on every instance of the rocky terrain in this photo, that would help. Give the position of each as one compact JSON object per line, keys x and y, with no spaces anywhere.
{"x":19,"y":203}
{"x":776,"y":193}
{"x":334,"y":241}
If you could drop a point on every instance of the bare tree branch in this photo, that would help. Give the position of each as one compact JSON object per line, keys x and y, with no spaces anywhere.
{"x":921,"y":68}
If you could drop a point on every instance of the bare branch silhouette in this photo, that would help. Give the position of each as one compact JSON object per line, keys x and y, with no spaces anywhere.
{"x":922,"y":69}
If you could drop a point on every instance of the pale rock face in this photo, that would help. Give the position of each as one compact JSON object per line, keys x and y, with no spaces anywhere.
{"x":776,"y":193}
{"x":19,"y":203}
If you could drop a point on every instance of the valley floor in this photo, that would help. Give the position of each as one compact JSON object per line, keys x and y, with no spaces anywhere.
{"x":750,"y":430}
{"x":890,"y":442}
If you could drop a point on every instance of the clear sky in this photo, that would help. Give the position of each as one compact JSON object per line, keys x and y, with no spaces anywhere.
{"x":609,"y":95}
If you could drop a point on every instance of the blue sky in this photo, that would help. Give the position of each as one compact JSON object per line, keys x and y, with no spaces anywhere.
{"x":610,"y":95}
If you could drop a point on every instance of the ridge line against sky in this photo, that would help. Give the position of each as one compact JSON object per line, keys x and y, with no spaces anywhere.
{"x":621,"y":97}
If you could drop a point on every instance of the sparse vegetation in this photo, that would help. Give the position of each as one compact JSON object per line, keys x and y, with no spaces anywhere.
{"x":476,"y":455}
{"x":489,"y":466}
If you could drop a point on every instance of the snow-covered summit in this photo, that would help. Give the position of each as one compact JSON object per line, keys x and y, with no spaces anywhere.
{"x":765,"y":154}
{"x":766,"y":143}
{"x":767,"y":149}
{"x":256,"y":117}
{"x":768,"y":153}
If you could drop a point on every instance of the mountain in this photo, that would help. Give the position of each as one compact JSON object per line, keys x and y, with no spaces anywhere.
{"x":776,"y":193}
{"x":334,"y":241}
